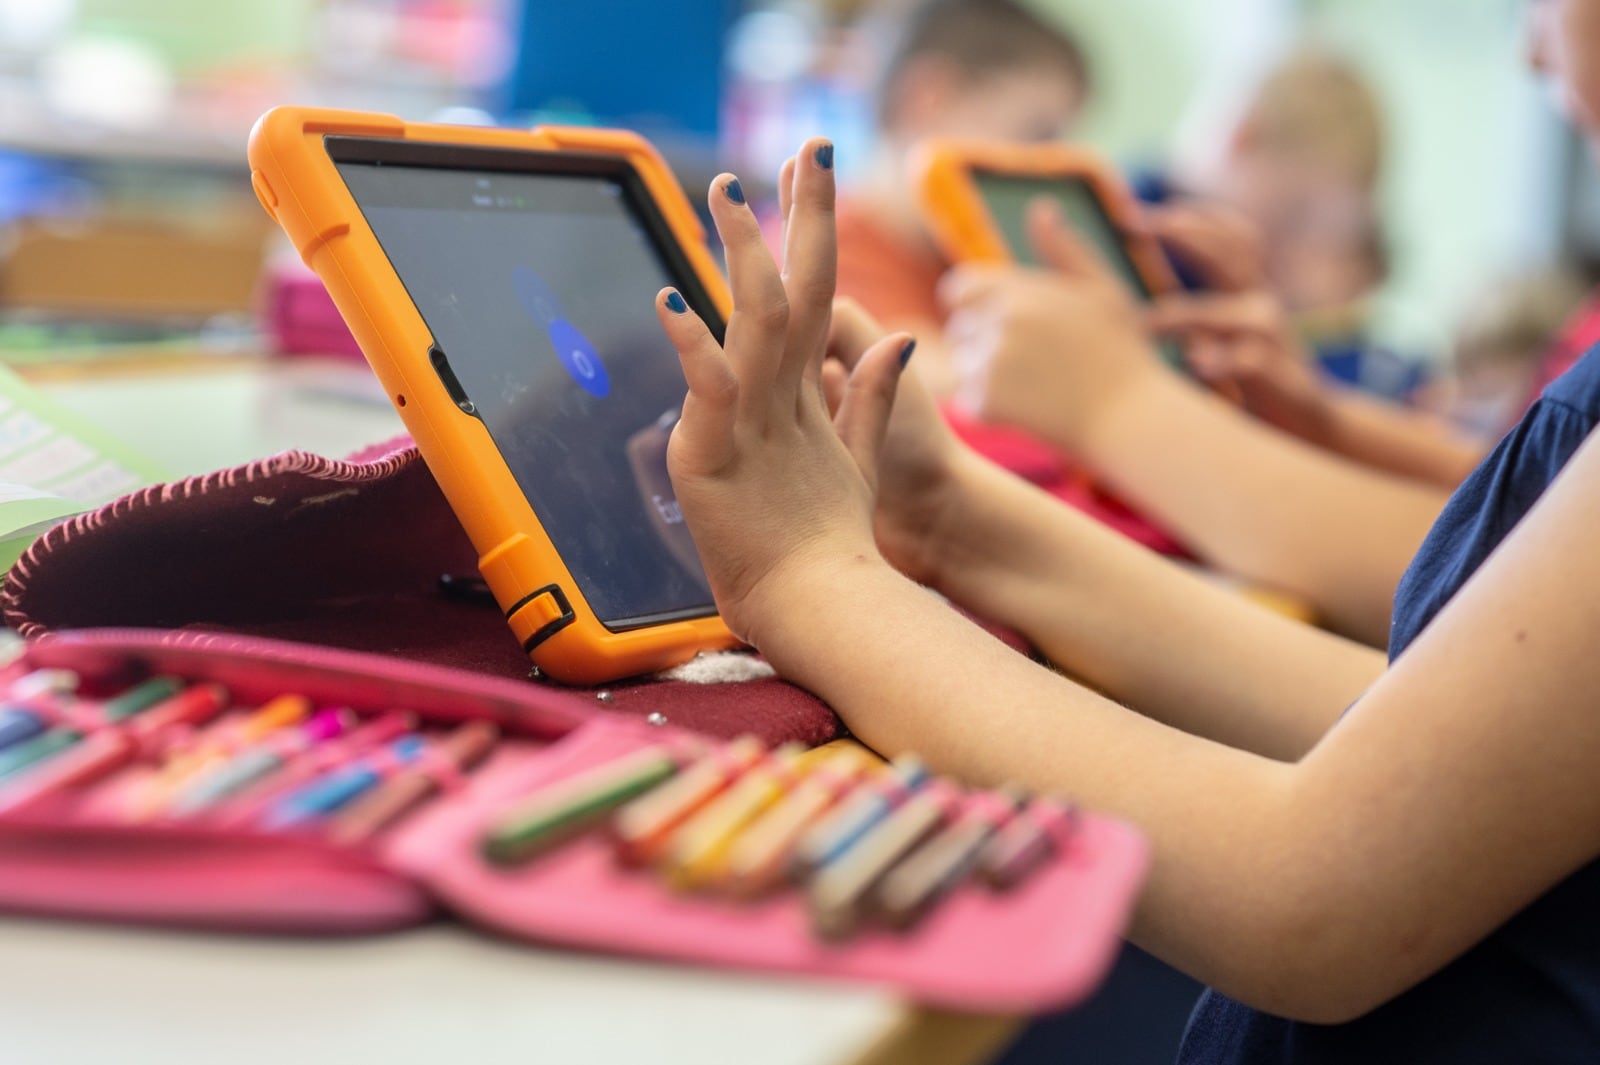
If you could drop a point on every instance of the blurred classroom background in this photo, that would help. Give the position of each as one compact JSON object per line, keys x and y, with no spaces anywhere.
{"x":125,"y":214}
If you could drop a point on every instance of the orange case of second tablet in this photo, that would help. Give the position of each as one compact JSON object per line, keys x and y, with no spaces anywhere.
{"x":965,"y":230}
{"x":297,"y":183}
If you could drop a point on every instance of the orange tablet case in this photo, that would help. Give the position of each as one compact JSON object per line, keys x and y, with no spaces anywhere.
{"x":297,"y":183}
{"x":965,"y":230}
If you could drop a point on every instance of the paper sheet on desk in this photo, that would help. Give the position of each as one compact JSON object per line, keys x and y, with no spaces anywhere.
{"x":54,"y":464}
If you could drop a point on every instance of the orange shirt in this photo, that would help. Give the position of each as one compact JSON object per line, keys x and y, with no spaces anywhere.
{"x":895,"y":281}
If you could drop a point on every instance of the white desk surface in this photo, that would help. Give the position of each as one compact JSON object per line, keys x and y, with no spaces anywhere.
{"x":194,"y":416}
{"x":75,"y":994}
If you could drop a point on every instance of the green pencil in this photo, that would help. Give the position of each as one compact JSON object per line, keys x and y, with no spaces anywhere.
{"x":140,"y":697}
{"x":569,"y":806}
{"x":45,"y":745}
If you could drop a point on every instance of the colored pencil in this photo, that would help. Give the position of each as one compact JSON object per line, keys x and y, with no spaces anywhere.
{"x":557,"y":812}
{"x":217,"y":745}
{"x":101,"y":753}
{"x":207,"y":787}
{"x":758,"y":860}
{"x":912,"y":888}
{"x":644,"y":828}
{"x":838,"y":895}
{"x":335,"y":790}
{"x":21,"y":715}
{"x":53,"y":742}
{"x":697,"y":850}
{"x":248,"y":806}
{"x":461,"y":751}
{"x":857,"y":814}
{"x":1024,"y":845}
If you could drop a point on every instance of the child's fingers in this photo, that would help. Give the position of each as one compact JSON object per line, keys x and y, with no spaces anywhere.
{"x":835,"y":378}
{"x":1222,"y":246}
{"x":1245,"y":312}
{"x":810,"y":259}
{"x":868,"y":400}
{"x":705,"y":368}
{"x":1056,"y":245}
{"x":760,"y":320}
{"x":1178,"y":314}
{"x":786,"y":191}
{"x":851,"y":331}
{"x":1206,"y":357}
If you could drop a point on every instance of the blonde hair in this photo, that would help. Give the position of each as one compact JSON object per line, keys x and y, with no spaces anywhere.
{"x":982,"y":38}
{"x":1316,"y":107}
{"x":1516,"y":318}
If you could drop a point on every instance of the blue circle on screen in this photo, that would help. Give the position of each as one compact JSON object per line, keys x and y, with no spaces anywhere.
{"x":579,"y":358}
{"x":537,"y":299}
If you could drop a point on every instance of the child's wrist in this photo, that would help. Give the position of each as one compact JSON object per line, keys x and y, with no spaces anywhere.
{"x":797,"y":623}
{"x":1329,"y":423}
{"x":806,"y":611}
{"x":1083,"y":432}
{"x":807,"y":576}
{"x":954,"y":537}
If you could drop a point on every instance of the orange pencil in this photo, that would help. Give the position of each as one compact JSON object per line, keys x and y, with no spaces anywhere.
{"x":697,"y":849}
{"x":759,"y":859}
{"x":644,"y":828}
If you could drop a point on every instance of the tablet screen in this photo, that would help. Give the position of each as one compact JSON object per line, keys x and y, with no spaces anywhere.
{"x":536,"y":275}
{"x":1007,"y":196}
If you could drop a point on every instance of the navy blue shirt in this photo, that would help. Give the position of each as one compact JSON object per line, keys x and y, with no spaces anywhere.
{"x":1530,"y":992}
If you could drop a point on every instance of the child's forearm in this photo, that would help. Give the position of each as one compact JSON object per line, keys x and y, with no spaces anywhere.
{"x":1151,"y":634}
{"x":909,"y":674}
{"x":1260,"y":504}
{"x":1407,"y":442}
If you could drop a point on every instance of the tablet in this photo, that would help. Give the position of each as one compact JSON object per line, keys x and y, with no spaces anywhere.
{"x":502,"y":284}
{"x":975,"y":195}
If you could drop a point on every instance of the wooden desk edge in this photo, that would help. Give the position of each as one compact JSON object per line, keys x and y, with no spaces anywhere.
{"x":926,"y":1036}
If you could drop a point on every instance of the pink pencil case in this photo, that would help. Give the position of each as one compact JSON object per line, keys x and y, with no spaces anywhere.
{"x":299,"y":315}
{"x":1044,"y":945}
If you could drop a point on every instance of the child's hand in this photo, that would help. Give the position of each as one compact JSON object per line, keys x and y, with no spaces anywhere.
{"x":1241,"y":343}
{"x":917,"y":486}
{"x":1046,"y":350}
{"x":1221,"y":245}
{"x":773,"y":493}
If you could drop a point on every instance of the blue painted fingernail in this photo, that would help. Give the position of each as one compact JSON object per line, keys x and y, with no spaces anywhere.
{"x":905,"y":353}
{"x":824,"y":156}
{"x":734,"y":190}
{"x":675,"y":303}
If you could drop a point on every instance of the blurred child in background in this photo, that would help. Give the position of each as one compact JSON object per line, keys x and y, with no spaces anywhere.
{"x":991,"y":69}
{"x":1501,"y":343}
{"x":1303,"y":164}
{"x":1335,"y":523}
